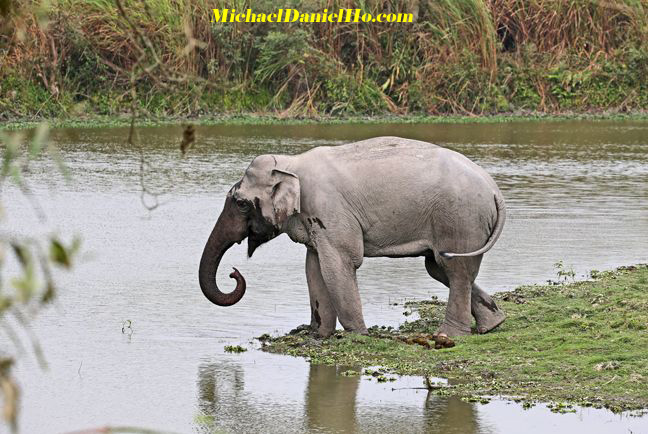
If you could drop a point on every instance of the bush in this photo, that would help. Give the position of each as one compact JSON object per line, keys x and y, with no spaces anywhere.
{"x":458,"y":57}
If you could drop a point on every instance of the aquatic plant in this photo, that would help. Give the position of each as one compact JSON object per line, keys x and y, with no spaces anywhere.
{"x":564,"y":272}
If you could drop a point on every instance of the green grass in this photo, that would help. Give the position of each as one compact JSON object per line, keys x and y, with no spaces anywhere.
{"x":584,"y":343}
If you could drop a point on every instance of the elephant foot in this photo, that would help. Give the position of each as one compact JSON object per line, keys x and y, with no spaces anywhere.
{"x":358,"y":330}
{"x":452,"y":329}
{"x":321,"y":330}
{"x":354,"y":324}
{"x":487,"y":315}
{"x":490,"y":322}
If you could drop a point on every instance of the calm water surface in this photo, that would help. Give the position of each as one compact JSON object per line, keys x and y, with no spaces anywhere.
{"x":576,"y":191}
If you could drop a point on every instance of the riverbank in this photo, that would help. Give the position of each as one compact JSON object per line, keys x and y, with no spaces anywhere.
{"x":582,"y":343}
{"x":274,"y":118}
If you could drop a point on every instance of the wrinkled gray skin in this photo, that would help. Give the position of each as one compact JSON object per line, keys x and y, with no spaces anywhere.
{"x":385,"y":196}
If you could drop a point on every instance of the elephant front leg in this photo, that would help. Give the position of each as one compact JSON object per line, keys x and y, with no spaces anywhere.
{"x":323,"y":317}
{"x":339,"y":274}
{"x":487,"y":315}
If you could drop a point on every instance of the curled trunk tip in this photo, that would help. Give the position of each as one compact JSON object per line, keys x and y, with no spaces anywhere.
{"x":240,"y":281}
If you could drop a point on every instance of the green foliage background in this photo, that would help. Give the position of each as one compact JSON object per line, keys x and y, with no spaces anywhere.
{"x":458,"y":57}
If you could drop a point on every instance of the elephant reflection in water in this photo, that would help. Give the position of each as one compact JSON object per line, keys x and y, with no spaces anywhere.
{"x":330,"y":406}
{"x":220,"y":390}
{"x":331,"y":398}
{"x":450,"y":415}
{"x":226,"y":403}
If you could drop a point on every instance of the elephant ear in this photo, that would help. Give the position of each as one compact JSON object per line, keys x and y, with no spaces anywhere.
{"x":285,"y":195}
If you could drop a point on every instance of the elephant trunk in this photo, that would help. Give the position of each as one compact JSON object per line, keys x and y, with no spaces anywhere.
{"x":229,"y":229}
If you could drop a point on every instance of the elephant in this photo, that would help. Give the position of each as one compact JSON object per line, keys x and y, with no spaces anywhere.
{"x":380,"y":197}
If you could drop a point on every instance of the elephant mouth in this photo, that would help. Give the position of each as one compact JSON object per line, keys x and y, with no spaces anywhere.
{"x":261,"y":229}
{"x":255,"y":240}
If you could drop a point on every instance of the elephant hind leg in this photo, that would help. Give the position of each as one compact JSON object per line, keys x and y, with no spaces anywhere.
{"x":458,"y":314}
{"x":323,"y":316}
{"x":485,"y":311}
{"x":483,"y":308}
{"x":435,"y":271}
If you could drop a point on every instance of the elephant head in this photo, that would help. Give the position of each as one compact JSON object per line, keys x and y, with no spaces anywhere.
{"x":256,"y":207}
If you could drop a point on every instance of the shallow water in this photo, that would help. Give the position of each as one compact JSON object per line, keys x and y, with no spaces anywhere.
{"x":576,"y":191}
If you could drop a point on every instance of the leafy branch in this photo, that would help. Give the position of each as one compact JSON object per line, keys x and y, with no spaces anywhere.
{"x":31,"y":261}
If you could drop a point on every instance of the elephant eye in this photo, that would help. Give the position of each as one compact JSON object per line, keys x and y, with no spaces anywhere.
{"x":243,"y":205}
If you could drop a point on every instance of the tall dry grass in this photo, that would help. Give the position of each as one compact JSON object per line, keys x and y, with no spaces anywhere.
{"x":460,"y":56}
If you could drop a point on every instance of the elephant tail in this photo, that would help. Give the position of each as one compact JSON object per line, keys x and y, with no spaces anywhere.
{"x":499,"y":225}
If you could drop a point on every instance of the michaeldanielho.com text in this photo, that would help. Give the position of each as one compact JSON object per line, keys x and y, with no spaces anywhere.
{"x":295,"y":16}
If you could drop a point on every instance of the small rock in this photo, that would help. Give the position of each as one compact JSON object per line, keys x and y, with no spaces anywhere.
{"x":607,"y":366}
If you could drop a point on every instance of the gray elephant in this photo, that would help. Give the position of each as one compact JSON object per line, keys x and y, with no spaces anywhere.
{"x":385,"y":196}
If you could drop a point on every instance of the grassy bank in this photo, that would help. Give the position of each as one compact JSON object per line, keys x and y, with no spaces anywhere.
{"x":459,"y":57}
{"x":582,"y":342}
{"x":270,"y":119}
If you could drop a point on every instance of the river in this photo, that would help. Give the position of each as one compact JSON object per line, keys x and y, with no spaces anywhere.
{"x":576,"y":191}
